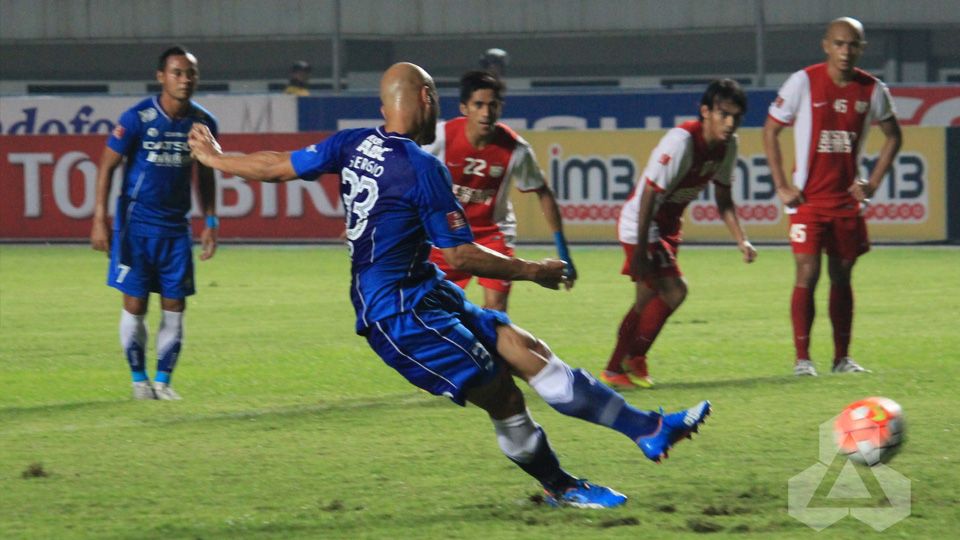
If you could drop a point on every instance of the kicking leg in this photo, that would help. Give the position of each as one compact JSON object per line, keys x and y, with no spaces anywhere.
{"x":525,"y":443}
{"x":520,"y":438}
{"x":574,"y":392}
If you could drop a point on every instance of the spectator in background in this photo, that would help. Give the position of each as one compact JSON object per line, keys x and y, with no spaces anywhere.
{"x":299,"y":76}
{"x":495,"y":61}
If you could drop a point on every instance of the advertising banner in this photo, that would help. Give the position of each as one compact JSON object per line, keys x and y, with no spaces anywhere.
{"x":48,"y":190}
{"x":87,"y":115}
{"x":48,"y":183}
{"x":926,"y":106}
{"x":592,"y":174}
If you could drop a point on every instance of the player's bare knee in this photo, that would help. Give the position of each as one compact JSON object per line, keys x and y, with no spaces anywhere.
{"x":807,"y":275}
{"x":500,"y":397}
{"x":134,"y":305}
{"x":178,"y":305}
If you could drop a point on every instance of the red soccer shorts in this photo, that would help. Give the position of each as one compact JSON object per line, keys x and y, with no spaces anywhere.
{"x":844,"y":237}
{"x":493,"y":241}
{"x":663,"y":254}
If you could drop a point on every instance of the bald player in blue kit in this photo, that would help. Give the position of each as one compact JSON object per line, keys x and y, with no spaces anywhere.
{"x":399,"y":202}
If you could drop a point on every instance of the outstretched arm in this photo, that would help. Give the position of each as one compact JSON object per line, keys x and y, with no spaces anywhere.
{"x":484,"y":262}
{"x":788,"y":193}
{"x":728,"y":211}
{"x":551,"y":211}
{"x":863,"y":190}
{"x":261,"y":166}
{"x":100,"y":231}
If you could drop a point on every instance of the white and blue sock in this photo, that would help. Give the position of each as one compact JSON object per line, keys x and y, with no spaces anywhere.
{"x":133,"y":340}
{"x":574,"y":392}
{"x":169,"y":338}
{"x":525,"y":443}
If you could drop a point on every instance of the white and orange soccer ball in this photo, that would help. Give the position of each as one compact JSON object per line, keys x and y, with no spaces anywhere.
{"x":870,"y":431}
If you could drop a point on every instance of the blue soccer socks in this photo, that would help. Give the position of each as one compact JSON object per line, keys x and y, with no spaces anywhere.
{"x":525,"y":443}
{"x":133,"y":340}
{"x":169,"y":338}
{"x":574,"y":392}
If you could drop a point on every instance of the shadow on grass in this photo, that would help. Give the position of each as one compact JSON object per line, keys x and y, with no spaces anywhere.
{"x":748,"y":382}
{"x":102,"y":413}
{"x":55,"y":408}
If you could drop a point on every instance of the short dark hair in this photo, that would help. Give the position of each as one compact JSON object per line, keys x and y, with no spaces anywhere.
{"x":724,"y":90}
{"x":472,"y":81}
{"x":176,"y":50}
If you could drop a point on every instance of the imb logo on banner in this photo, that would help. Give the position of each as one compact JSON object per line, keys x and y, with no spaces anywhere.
{"x":753,"y":192}
{"x":903,"y":196}
{"x":590,"y":188}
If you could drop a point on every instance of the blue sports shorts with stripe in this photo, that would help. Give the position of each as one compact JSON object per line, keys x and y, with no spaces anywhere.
{"x":445,"y":345}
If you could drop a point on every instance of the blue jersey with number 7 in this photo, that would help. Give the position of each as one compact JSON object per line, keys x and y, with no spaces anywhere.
{"x":398,"y":200}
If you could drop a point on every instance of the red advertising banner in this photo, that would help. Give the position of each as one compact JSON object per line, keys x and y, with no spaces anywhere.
{"x":927,"y":106}
{"x":48,"y":190}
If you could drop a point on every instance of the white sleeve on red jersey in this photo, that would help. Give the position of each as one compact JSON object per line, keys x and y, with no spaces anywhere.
{"x":789,"y":98}
{"x":669,"y":161}
{"x":524,"y":169}
{"x":881,"y":104}
{"x":438,"y":147}
{"x":724,"y":174}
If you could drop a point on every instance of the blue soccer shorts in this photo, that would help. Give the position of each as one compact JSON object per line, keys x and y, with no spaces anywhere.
{"x":445,"y":345}
{"x":140,"y":265}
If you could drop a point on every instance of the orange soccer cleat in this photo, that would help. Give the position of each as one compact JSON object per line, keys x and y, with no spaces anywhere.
{"x":637,"y":367}
{"x":620,"y":381}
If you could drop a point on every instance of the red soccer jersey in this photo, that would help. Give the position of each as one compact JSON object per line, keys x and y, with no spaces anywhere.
{"x":482,"y":176}
{"x":829,"y":123}
{"x":679,"y":168}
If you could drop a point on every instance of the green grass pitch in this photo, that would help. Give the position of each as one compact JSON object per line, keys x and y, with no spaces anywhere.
{"x":292,"y":428}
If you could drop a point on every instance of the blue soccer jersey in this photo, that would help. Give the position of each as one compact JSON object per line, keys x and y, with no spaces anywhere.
{"x":396,"y":197}
{"x":155,"y":196}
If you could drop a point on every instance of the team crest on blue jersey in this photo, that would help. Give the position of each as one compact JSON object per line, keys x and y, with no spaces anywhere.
{"x":148,"y":115}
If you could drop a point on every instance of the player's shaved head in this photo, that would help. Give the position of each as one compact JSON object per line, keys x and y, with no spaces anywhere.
{"x":408,"y":98}
{"x":402,"y":82}
{"x":846,"y":22}
{"x":843,"y":43}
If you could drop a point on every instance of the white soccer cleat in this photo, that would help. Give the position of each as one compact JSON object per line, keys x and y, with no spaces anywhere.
{"x":804,"y":368}
{"x":847,"y":365}
{"x":143,"y":390}
{"x":165,"y":392}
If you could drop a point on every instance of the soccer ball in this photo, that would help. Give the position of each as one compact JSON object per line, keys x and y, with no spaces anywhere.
{"x":870,"y":431}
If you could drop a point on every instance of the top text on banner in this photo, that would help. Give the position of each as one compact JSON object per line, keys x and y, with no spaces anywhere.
{"x":88,"y":115}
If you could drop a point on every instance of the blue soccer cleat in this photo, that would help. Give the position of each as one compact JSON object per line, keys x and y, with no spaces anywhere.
{"x":585,"y":495}
{"x":673,"y":428}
